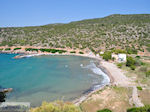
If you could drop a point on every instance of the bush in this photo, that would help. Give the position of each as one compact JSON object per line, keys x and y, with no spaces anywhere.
{"x":119,"y":65}
{"x":81,"y":52}
{"x":138,"y":57}
{"x":132,"y":67}
{"x":139,"y":88}
{"x":57,"y":106}
{"x":138,"y":62}
{"x":7,"y":49}
{"x":31,"y":49}
{"x":131,"y":51}
{"x":53,"y":50}
{"x":113,"y":58}
{"x":73,"y":52}
{"x":17,"y":48}
{"x":104,"y":110}
{"x":45,"y":50}
{"x":117,"y":51}
{"x":107,"y":55}
{"x":130,"y":61}
{"x":140,"y":109}
{"x":61,"y":51}
{"x":148,"y":73}
{"x":1,"y":49}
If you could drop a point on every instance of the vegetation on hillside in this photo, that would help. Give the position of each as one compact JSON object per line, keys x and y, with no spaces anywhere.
{"x":137,"y":67}
{"x":57,"y":106}
{"x":18,"y":48}
{"x":128,"y":32}
{"x":104,"y":110}
{"x":107,"y":55}
{"x":7,"y":49}
{"x":140,"y":109}
{"x":131,"y":62}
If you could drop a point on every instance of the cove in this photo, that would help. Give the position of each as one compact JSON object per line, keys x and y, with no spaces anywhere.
{"x":49,"y":78}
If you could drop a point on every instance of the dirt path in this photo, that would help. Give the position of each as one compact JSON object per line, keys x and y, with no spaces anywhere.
{"x":135,"y":98}
{"x":119,"y":79}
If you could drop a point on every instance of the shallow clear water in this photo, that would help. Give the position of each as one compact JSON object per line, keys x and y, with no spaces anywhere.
{"x":48,"y":78}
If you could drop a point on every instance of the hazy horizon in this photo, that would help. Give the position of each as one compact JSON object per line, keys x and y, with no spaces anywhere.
{"x":37,"y":12}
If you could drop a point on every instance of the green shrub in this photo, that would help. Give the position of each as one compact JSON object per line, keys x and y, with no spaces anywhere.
{"x":132,"y":67}
{"x":7,"y":49}
{"x":138,"y":57}
{"x":130,"y":61}
{"x":142,"y":63}
{"x":53,"y":50}
{"x":104,"y":110}
{"x":31,"y":49}
{"x":61,"y":51}
{"x":117,"y":51}
{"x":81,"y":52}
{"x":107,"y":55}
{"x":73,"y":52}
{"x":17,"y":48}
{"x":45,"y":50}
{"x":140,"y":109}
{"x":113,"y":58}
{"x":138,"y":62}
{"x":119,"y":65}
{"x":57,"y":106}
{"x":131,"y":51}
{"x":1,"y":49}
{"x":148,"y":73}
{"x":139,"y":88}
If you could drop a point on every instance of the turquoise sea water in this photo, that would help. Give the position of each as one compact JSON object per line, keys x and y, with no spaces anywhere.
{"x":48,"y":78}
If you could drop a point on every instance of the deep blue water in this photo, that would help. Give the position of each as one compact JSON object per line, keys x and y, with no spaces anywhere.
{"x":48,"y":78}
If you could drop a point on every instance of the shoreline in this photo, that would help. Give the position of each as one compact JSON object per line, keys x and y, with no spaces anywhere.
{"x":90,"y":91}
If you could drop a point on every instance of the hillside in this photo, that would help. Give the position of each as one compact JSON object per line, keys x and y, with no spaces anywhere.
{"x":114,"y":31}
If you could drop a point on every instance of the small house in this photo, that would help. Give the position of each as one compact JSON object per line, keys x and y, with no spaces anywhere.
{"x":119,"y":57}
{"x":122,"y":57}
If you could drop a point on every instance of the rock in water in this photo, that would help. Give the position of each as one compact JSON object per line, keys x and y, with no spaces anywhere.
{"x":2,"y":97}
{"x":3,"y":93}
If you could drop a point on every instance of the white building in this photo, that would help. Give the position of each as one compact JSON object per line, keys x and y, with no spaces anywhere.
{"x":122,"y":57}
{"x":101,"y":52}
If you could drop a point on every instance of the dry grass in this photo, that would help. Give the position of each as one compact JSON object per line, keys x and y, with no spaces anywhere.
{"x":113,"y":98}
{"x":137,"y":75}
{"x":144,"y":95}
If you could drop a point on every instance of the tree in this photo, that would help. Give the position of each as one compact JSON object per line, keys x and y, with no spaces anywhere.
{"x":107,"y":55}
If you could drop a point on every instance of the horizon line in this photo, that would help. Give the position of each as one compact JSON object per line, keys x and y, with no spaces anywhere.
{"x":72,"y":21}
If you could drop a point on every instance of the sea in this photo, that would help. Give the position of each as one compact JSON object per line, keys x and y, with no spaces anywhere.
{"x":49,"y":78}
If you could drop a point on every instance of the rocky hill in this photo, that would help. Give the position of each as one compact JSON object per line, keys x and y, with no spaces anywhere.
{"x":114,"y":31}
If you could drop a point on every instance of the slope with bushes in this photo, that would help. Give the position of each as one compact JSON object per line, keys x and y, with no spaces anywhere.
{"x":129,"y":32}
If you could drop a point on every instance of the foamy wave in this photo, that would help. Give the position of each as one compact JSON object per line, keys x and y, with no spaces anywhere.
{"x":98,"y":71}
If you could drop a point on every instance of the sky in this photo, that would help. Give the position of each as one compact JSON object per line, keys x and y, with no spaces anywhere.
{"x":14,"y":13}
